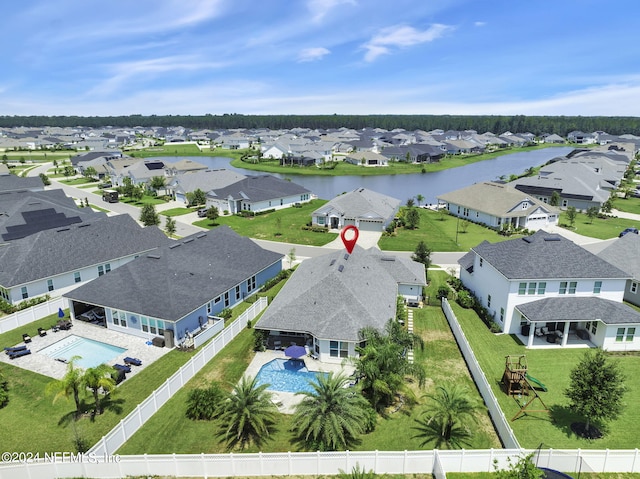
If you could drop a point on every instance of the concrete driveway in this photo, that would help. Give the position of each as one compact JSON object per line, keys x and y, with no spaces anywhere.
{"x":366,"y":240}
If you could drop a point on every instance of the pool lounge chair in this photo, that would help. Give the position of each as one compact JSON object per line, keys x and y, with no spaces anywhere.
{"x":26,"y":338}
{"x":132,"y":361}
{"x":42,"y":332}
{"x":14,"y":349}
{"x":20,"y":353}
{"x":122,"y":367}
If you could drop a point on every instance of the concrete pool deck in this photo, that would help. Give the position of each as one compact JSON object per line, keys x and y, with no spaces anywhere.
{"x":285,"y":401}
{"x":37,"y":362}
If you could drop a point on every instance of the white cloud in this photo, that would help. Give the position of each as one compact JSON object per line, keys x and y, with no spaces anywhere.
{"x":401,"y":36}
{"x":320,"y":8}
{"x":479,"y":24}
{"x":312,"y":54}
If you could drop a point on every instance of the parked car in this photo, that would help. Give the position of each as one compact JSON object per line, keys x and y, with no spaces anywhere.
{"x":628,"y":230}
{"x":202,"y":212}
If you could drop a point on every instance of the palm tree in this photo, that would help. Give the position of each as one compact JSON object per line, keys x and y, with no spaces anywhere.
{"x":446,"y":418}
{"x":248,"y":415}
{"x":419,"y":199}
{"x":331,"y":417}
{"x":69,"y":385}
{"x":96,"y":378}
{"x":383,"y":363}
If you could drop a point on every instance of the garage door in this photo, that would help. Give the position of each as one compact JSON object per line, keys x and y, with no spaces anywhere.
{"x":368,"y":225}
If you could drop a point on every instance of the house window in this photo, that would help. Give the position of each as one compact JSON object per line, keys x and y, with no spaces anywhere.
{"x":488,"y":301}
{"x":338,"y":349}
{"x":597,"y":287}
{"x":481,"y":261}
{"x":76,"y":277}
{"x":50,"y":285}
{"x":630,"y":334}
{"x":633,"y":288}
{"x":237,"y":292}
{"x":565,"y":203}
{"x":281,"y":201}
{"x":217,"y":300}
{"x":594,"y":327}
{"x":321,"y":220}
{"x":25,"y":293}
{"x":620,"y":334}
{"x":251,"y":283}
{"x":522,"y":288}
{"x":226,"y":299}
{"x":123,"y":319}
{"x":107,"y":267}
{"x":502,"y":315}
{"x":144,"y":324}
{"x":563,"y":287}
{"x":100,"y":270}
{"x":114,"y":318}
{"x":572,"y":287}
{"x":532,"y":288}
{"x":209,"y":307}
{"x":542,"y":287}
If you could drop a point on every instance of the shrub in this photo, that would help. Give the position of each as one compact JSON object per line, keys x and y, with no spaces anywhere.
{"x":4,"y":391}
{"x":226,"y":313}
{"x":443,"y":292}
{"x":260,"y":339}
{"x":465,"y":299}
{"x":203,"y":404}
{"x":284,"y":274}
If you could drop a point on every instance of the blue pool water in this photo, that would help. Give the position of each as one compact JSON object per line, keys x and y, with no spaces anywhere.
{"x":287,"y":375}
{"x":92,"y":353}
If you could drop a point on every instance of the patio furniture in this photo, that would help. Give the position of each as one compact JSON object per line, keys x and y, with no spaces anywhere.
{"x":158,"y":342}
{"x":122,"y":367}
{"x":582,"y":334}
{"x":14,"y":349}
{"x":20,"y":353}
{"x":41,"y":332}
{"x":64,"y":325}
{"x":26,"y":338}
{"x":132,"y":361}
{"x":277,"y":344}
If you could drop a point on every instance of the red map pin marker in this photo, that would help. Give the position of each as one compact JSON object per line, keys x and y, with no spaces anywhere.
{"x":350,"y":242}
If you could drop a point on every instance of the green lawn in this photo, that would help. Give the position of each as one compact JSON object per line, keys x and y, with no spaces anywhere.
{"x":601,"y":228}
{"x":178,"y":211}
{"x":441,"y":358}
{"x":628,"y":205}
{"x":266,"y":226}
{"x":186,"y":150}
{"x":552,"y":367}
{"x":394,"y":168}
{"x":80,"y":181}
{"x":146,"y":200}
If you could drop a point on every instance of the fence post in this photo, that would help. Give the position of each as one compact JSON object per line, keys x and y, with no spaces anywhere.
{"x":633,"y":463}
{"x":606,"y":459}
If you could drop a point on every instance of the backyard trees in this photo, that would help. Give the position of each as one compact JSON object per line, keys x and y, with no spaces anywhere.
{"x":422,"y":254}
{"x":213,"y":214}
{"x":148,"y":216}
{"x":572,"y":213}
{"x":157,"y":183}
{"x":419,"y":199}
{"x":447,"y":417}
{"x":170,"y":226}
{"x":248,"y":416}
{"x":382,"y":363}
{"x":4,"y":391}
{"x":204,"y":403}
{"x":592,"y":213}
{"x":332,"y":416}
{"x":523,"y":468}
{"x":555,"y":199}
{"x":99,"y":377}
{"x":45,"y":179}
{"x":410,"y":203}
{"x":411,"y":218}
{"x":197,"y":197}
{"x":90,"y":173}
{"x":69,"y":385}
{"x":595,"y":392}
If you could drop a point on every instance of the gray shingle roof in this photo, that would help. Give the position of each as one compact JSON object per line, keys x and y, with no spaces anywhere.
{"x":204,"y":180}
{"x":13,"y":183}
{"x":624,"y":253}
{"x":57,"y":251}
{"x":259,"y":188}
{"x":179,"y":277}
{"x":361,"y":203}
{"x":332,"y":297}
{"x":579,"y":309}
{"x":545,"y":256}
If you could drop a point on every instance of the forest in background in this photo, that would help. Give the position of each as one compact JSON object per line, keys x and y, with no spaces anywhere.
{"x":538,"y":125}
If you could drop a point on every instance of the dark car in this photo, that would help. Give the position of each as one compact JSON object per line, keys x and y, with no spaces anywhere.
{"x":202,"y":212}
{"x":628,"y":230}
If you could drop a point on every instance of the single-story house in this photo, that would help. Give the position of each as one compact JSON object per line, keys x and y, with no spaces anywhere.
{"x":624,"y":253}
{"x":180,"y":286}
{"x":257,"y":193}
{"x":53,"y":260}
{"x":329,"y":299}
{"x":207,"y":180}
{"x":552,"y":291}
{"x":499,"y":206}
{"x":367,"y":158}
{"x":363,"y":208}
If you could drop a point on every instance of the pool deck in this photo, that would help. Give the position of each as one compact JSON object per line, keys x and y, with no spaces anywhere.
{"x":37,"y":362}
{"x":287,"y":402}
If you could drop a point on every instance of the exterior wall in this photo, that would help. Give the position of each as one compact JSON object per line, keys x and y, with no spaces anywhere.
{"x":630,"y":295}
{"x":277,"y":203}
{"x":410,"y":291}
{"x":324,"y":354}
{"x":63,"y":281}
{"x":608,"y":337}
{"x":534,"y":221}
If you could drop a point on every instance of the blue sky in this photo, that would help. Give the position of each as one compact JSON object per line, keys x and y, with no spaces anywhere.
{"x":567,"y":57}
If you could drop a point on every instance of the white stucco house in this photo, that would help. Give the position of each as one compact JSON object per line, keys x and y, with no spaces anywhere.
{"x":550,"y":291}
{"x":499,"y":206}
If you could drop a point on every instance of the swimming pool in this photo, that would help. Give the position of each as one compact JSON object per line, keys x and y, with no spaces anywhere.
{"x":92,"y":353}
{"x":287,"y":375}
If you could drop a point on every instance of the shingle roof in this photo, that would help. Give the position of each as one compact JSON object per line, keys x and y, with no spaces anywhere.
{"x":579,"y":309}
{"x":624,"y":253}
{"x":545,"y":256}
{"x":361,"y":203}
{"x":57,"y":251}
{"x":332,"y":297}
{"x":205,"y":180}
{"x":259,"y":188}
{"x":180,"y":277}
{"x":13,"y":183}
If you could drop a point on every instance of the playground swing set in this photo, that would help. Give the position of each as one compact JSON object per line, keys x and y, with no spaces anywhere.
{"x":523,"y":387}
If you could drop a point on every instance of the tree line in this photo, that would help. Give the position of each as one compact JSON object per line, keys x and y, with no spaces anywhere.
{"x":538,"y":125}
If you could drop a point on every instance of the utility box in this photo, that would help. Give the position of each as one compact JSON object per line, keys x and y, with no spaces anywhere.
{"x":168,"y":338}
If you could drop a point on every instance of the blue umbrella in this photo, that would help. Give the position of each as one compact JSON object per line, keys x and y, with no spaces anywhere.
{"x":60,"y":313}
{"x":295,"y":351}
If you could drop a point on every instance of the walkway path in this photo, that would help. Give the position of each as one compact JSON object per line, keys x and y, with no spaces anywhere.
{"x":410,"y":329}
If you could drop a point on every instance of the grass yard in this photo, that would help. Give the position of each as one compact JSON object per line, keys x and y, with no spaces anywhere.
{"x":187,"y":150}
{"x":170,"y":431}
{"x":438,"y":231}
{"x":178,"y":211}
{"x":552,"y":367}
{"x":80,"y":181}
{"x":146,"y":200}
{"x":628,"y":205}
{"x":601,"y":228}
{"x":287,"y":222}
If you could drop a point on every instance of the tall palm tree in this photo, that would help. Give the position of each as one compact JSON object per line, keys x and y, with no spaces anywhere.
{"x":331,"y":417}
{"x":383,"y":363}
{"x":447,"y":417}
{"x":96,"y":378}
{"x":248,"y":415}
{"x":419,"y":199}
{"x":69,"y":385}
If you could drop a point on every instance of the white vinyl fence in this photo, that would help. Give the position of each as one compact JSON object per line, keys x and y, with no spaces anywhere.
{"x":439,"y":463}
{"x":147,"y":408}
{"x":29,"y":315}
{"x":501,"y":424}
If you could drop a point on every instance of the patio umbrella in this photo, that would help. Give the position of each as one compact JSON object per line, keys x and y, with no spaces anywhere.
{"x":60,"y":313}
{"x":295,"y":351}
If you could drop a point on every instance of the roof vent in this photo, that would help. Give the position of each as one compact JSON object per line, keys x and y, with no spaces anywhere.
{"x":346,"y":256}
{"x":552,"y":238}
{"x":201,"y":235}
{"x":388,"y":258}
{"x":527,"y":239}
{"x":153,"y":256}
{"x":340,"y":268}
{"x":174,"y":245}
{"x":333,"y":261}
{"x":188,"y":240}
{"x":63,"y":229}
{"x":84,"y":225}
